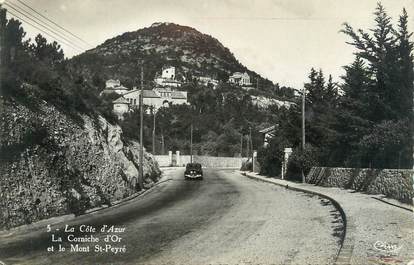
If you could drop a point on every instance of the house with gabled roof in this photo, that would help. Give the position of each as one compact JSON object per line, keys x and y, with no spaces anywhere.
{"x":114,"y":86}
{"x":268,"y":133}
{"x":156,"y":98}
{"x":167,"y":78}
{"x":120,"y":106}
{"x":241,"y":79}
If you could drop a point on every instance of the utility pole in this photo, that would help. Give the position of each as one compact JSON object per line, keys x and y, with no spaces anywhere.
{"x":247,"y":147}
{"x":162,"y":142}
{"x":241,"y":145}
{"x":303,"y":119}
{"x":191,"y":143}
{"x":1,"y":41}
{"x":153,"y":131}
{"x":141,"y":132}
{"x":251,"y":144}
{"x":303,"y":129}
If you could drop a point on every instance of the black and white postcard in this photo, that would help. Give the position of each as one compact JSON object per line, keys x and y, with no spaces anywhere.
{"x":215,"y":132}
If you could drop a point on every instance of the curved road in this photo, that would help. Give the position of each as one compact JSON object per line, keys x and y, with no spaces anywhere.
{"x":224,"y":219}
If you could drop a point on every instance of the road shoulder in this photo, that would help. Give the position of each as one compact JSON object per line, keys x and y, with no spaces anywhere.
{"x":376,"y":232}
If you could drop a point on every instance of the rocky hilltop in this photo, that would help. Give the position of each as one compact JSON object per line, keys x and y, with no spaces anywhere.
{"x":193,"y":54}
{"x":54,"y":164}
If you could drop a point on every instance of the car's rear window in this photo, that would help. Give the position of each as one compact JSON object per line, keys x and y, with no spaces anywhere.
{"x":194,"y":166}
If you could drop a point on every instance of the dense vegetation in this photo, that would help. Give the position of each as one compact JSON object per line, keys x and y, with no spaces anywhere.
{"x":364,"y":122}
{"x":34,"y":70}
{"x":221,"y":120}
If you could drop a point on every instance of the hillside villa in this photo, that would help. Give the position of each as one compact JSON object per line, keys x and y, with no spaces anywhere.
{"x":241,"y":79}
{"x":157,"y":98}
{"x":114,"y":86}
{"x":167,"y":78}
{"x":160,"y":96}
{"x":268,"y":133}
{"x":206,"y":81}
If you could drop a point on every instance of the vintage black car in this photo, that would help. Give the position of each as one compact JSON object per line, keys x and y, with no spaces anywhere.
{"x":193,"y":171}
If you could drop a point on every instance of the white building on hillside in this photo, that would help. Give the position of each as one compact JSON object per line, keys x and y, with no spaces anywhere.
{"x":156,"y":98}
{"x":129,"y":99}
{"x":268,"y":133}
{"x":121,"y":106}
{"x":111,"y":83}
{"x":205,"y":80}
{"x":168,"y":73}
{"x":241,"y":79}
{"x":114,"y":86}
{"x":167,"y":78}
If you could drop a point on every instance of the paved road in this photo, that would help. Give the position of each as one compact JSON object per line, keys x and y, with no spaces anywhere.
{"x":224,"y":219}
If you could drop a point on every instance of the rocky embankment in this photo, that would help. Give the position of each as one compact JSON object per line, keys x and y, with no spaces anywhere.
{"x":53,"y":164}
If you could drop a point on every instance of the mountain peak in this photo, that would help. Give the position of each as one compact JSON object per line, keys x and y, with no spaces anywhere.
{"x":164,"y":43}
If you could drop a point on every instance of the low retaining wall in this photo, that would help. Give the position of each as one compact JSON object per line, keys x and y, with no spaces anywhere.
{"x":163,"y":160}
{"x":393,"y":183}
{"x":212,"y":161}
{"x":205,"y":161}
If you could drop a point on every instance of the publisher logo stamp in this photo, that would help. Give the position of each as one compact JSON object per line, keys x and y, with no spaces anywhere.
{"x":387,"y":247}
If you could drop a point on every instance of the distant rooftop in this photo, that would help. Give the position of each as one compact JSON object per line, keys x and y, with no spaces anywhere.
{"x":146,"y":93}
{"x":268,"y":129}
{"x":178,"y":95}
{"x":120,"y":100}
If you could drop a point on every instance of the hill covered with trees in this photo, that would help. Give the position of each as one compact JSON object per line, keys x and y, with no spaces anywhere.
{"x":191,"y":52}
{"x":222,"y":117}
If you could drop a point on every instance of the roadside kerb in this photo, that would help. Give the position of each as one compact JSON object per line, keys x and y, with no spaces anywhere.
{"x":394,"y":203}
{"x":344,"y":254}
{"x":133,"y":196}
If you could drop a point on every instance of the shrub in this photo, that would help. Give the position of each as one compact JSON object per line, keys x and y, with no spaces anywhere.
{"x":302,"y":160}
{"x":271,"y":157}
{"x":247,"y":166}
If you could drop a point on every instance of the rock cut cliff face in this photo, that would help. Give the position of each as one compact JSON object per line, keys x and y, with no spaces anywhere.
{"x":53,"y":164}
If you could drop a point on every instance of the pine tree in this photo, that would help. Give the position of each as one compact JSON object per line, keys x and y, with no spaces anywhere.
{"x":331,"y":92}
{"x":406,"y":77}
{"x":405,"y":49}
{"x":353,"y":118}
{"x":379,"y":95}
{"x":321,"y":107}
{"x":380,"y":53}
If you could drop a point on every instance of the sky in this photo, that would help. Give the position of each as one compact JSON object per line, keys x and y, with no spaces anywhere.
{"x":279,"y":39}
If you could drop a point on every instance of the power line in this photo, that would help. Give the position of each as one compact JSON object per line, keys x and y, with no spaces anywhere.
{"x":47,"y":33}
{"x":54,"y":23}
{"x":44,"y":24}
{"x":45,"y":27}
